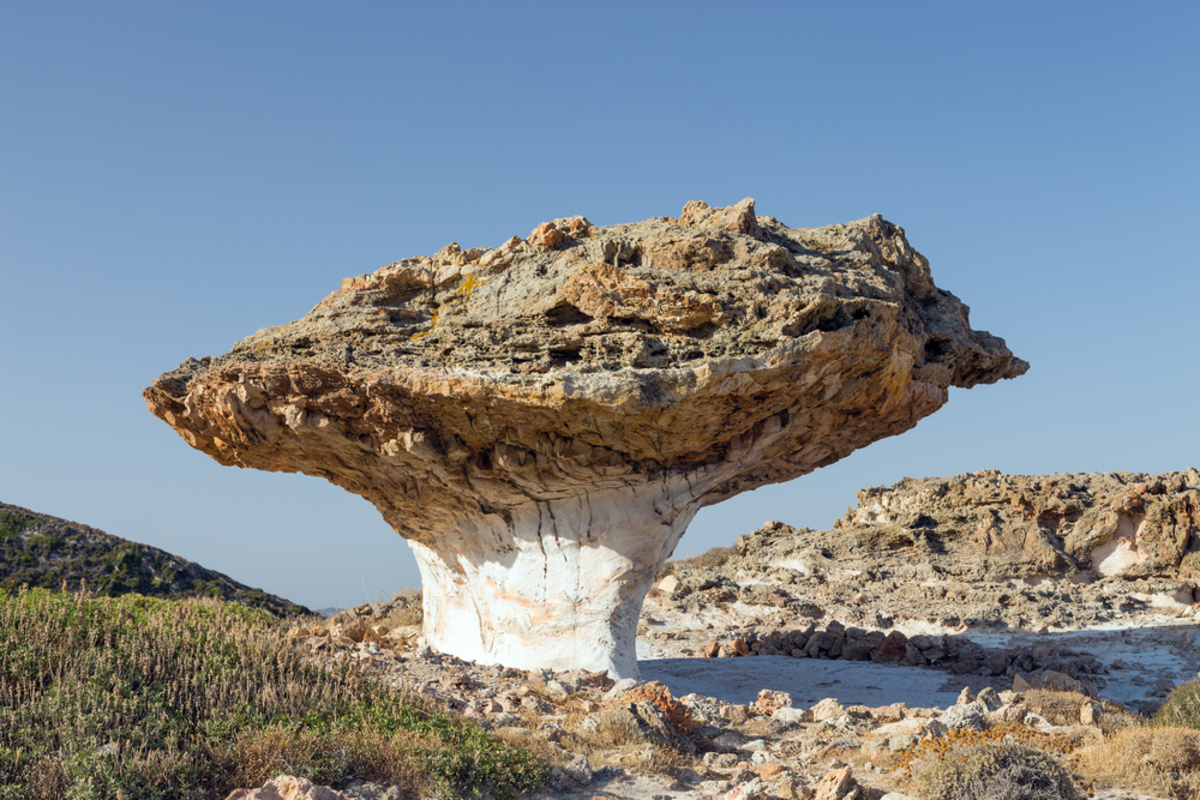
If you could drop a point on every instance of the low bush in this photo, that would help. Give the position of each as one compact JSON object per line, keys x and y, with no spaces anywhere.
{"x":1182,"y":708}
{"x":996,"y":772}
{"x":136,"y":697}
{"x":12,"y":523}
{"x":952,"y":744}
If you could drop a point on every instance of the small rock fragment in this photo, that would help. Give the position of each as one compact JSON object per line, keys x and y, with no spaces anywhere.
{"x":769,"y":700}
{"x":838,"y":784}
{"x":828,"y":708}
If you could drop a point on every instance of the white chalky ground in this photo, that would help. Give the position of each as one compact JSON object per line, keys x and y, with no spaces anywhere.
{"x":1138,"y":652}
{"x":738,"y":680}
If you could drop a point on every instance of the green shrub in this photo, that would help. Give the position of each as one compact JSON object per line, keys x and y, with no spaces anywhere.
{"x":996,"y":772}
{"x":139,"y":697}
{"x":1182,"y":708}
{"x":12,"y":523}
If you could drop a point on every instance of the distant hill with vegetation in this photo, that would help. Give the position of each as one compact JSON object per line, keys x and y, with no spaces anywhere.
{"x":40,"y":550}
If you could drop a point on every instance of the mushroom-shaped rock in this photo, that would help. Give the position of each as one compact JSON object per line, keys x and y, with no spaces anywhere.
{"x":541,"y":421}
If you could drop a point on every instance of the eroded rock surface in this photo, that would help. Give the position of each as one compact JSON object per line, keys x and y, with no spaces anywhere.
{"x":979,"y":552}
{"x":541,"y":421}
{"x":1080,"y":528}
{"x":1086,"y":526}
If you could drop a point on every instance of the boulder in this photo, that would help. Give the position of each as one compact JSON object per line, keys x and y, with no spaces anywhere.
{"x":838,"y":784}
{"x":652,"y":725}
{"x":705,"y":710}
{"x":790,"y":787}
{"x":989,"y":699}
{"x":542,"y":421}
{"x":861,"y":647}
{"x":897,"y":736}
{"x":797,"y":716}
{"x":1008,"y":714}
{"x":885,"y":715}
{"x":826,"y":709}
{"x":968,"y":715}
{"x":679,"y":714}
{"x":579,"y":770}
{"x":287,"y":787}
{"x":769,"y":700}
{"x":892,"y":648}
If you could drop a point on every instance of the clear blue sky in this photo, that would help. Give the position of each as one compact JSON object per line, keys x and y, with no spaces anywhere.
{"x":175,"y":176}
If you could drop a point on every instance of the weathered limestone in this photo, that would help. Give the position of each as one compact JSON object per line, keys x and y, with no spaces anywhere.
{"x":541,"y":421}
{"x":1082,"y":526}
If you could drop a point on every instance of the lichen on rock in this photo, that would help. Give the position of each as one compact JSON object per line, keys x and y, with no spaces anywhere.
{"x":541,"y":421}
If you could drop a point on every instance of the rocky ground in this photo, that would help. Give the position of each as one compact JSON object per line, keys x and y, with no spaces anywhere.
{"x":833,"y":664}
{"x":841,"y":731}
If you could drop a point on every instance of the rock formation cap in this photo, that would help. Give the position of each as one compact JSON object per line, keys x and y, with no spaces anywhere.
{"x":589,"y":378}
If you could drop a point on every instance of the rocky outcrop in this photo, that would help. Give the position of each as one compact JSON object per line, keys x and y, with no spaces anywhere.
{"x":541,"y":421}
{"x":1088,"y":526}
{"x":988,"y":526}
{"x":980,"y":550}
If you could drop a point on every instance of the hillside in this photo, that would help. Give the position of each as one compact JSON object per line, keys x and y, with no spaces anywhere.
{"x":40,"y":550}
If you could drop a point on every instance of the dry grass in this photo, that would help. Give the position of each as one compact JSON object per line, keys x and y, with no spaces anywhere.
{"x":616,"y":741}
{"x":1156,"y":758}
{"x":389,"y":759}
{"x":536,"y":742}
{"x":1062,"y":708}
{"x":1162,"y":757}
{"x":1162,"y":761}
{"x":409,"y":609}
{"x":711,"y":559}
{"x":155,"y":699}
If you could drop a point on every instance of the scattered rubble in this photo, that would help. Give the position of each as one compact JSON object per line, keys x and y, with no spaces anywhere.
{"x":780,"y":597}
{"x":1040,"y":666}
{"x":609,"y":739}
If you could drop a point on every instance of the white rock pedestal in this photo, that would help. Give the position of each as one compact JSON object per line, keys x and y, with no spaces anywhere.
{"x":560,"y":586}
